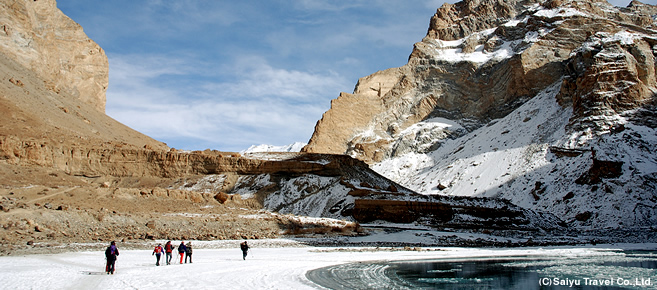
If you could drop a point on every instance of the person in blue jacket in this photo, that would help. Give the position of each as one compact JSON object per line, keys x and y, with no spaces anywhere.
{"x":182,"y":249}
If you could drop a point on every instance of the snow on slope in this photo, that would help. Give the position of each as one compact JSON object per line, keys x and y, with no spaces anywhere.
{"x":310,"y":195}
{"x":510,"y":158}
{"x":294,"y":147}
{"x":306,"y":195}
{"x":478,"y":163}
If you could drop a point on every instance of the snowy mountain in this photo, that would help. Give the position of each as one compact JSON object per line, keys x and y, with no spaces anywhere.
{"x":547,"y":104}
{"x":294,"y":147}
{"x":528,"y":159}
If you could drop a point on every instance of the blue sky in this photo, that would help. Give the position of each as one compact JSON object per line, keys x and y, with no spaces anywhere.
{"x":225,"y":75}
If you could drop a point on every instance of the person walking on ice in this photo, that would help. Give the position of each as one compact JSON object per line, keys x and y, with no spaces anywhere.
{"x":110,"y":254}
{"x":158,"y":253}
{"x":245,"y":249}
{"x":181,"y":251}
{"x":188,"y":253}
{"x":168,"y":248}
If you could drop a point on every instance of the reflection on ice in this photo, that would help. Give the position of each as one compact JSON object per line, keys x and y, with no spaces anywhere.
{"x":443,"y":271}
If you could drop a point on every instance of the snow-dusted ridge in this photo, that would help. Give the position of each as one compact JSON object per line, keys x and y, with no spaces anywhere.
{"x":478,"y":163}
{"x":294,"y":147}
{"x":511,"y":158}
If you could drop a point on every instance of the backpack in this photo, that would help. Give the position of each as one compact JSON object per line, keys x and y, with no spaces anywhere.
{"x":110,"y":252}
{"x":158,"y":250}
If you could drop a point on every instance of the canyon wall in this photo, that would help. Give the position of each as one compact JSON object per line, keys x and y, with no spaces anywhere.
{"x":41,"y":38}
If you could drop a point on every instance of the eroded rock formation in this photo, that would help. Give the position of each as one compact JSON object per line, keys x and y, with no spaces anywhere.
{"x":41,"y":38}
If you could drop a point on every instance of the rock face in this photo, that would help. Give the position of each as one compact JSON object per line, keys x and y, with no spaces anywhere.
{"x":41,"y":38}
{"x":548,"y":104}
{"x":53,"y":80}
{"x":481,"y":60}
{"x":455,"y":213}
{"x":112,"y":160}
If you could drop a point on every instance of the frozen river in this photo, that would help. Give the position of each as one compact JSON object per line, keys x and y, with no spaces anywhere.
{"x":612,"y":270}
{"x":219,"y":265}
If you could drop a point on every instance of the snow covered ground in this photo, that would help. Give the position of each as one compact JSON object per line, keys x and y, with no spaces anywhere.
{"x":272,"y":264}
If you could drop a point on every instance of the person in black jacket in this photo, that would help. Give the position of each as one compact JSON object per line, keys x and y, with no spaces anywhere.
{"x":245,"y":249}
{"x":188,"y":253}
{"x":110,"y":254}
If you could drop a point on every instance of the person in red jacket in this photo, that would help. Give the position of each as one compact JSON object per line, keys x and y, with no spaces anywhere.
{"x":168,"y":249}
{"x":158,"y":253}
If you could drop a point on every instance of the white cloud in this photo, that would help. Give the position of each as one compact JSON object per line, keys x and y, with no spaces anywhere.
{"x":167,"y":99}
{"x":326,"y":5}
{"x":257,"y":79}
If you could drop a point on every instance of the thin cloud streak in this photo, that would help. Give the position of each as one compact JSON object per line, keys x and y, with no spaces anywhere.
{"x":256,"y":79}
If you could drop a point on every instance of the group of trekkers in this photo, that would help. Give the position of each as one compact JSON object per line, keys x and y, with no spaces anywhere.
{"x":184,"y":250}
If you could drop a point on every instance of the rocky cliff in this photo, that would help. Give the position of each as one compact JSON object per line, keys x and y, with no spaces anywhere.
{"x":41,"y":38}
{"x":549,"y":104}
{"x":481,"y":60}
{"x":53,"y":81}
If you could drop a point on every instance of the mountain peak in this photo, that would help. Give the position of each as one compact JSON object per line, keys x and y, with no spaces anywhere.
{"x":479,"y":61}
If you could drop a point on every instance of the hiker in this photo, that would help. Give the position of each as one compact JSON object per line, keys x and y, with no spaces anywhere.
{"x":188,"y":253}
{"x":245,"y":249}
{"x":168,"y":248}
{"x":181,"y":251}
{"x":158,"y":253}
{"x":110,"y":254}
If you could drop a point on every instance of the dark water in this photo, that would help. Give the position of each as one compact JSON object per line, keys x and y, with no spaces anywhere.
{"x":478,"y":274}
{"x":616,"y":270}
